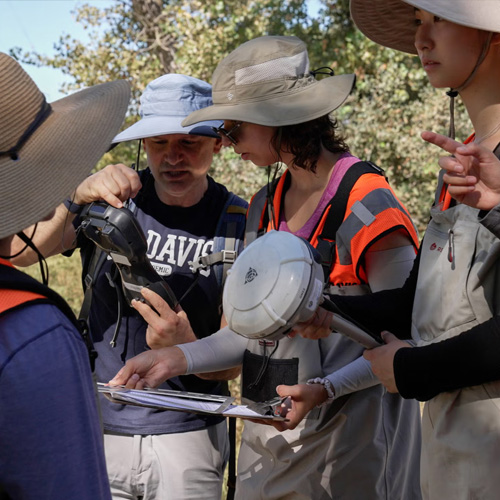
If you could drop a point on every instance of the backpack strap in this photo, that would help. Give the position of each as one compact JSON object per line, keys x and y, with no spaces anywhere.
{"x":228,"y":240}
{"x":13,"y":279}
{"x":336,"y":211}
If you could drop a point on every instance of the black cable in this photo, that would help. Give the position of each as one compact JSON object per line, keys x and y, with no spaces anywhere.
{"x":44,"y":268}
{"x":7,"y":257}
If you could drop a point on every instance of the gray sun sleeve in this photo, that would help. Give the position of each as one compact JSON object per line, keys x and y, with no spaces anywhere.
{"x":387,"y":269}
{"x":219,"y":351}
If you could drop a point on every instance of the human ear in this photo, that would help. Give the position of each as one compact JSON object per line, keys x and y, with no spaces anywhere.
{"x":495,"y":39}
{"x":217,"y":145}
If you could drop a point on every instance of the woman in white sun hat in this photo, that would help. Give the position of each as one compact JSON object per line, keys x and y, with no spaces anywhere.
{"x":275,"y":109}
{"x":452,"y":293}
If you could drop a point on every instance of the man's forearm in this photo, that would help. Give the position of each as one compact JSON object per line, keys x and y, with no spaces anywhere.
{"x":51,"y":237}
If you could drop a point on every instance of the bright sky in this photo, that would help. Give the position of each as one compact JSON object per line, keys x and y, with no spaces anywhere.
{"x":38,"y":24}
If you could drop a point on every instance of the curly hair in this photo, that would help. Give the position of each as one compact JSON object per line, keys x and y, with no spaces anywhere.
{"x":304,"y":140}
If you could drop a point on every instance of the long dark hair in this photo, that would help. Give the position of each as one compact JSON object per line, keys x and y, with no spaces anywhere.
{"x":304,"y":140}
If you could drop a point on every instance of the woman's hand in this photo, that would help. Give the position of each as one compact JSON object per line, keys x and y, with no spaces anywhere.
{"x":318,"y":327}
{"x":151,"y":368}
{"x":472,"y":174}
{"x":382,"y":360}
{"x":298,"y":401}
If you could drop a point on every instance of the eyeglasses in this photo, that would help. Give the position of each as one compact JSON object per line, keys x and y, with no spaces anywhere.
{"x":228,"y":134}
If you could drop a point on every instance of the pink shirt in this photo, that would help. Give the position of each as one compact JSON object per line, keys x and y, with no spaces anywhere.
{"x":345,"y":161}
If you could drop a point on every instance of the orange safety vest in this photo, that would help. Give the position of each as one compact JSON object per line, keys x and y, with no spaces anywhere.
{"x":10,"y":299}
{"x":347,"y":267}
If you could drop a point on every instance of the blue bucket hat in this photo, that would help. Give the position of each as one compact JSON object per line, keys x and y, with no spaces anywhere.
{"x":167,"y":101}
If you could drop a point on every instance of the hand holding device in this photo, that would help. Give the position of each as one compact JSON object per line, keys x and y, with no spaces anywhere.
{"x":117,"y":232}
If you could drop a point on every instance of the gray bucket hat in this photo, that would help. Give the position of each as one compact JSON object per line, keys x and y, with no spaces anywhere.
{"x":391,"y":22}
{"x":167,"y":101}
{"x":267,"y":81}
{"x":47,"y":149}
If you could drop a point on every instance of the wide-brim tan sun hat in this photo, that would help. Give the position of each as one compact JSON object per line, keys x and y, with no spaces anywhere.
{"x":391,"y":23}
{"x":267,"y":81}
{"x":65,"y":140}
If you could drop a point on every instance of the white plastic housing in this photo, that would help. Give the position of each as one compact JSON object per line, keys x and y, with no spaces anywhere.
{"x":274,"y":284}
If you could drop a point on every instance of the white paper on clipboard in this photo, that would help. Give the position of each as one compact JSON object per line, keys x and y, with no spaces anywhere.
{"x":190,"y":402}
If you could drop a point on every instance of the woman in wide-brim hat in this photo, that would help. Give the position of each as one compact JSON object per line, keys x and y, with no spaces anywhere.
{"x":276,"y":111}
{"x":454,"y":301}
{"x":51,"y":443}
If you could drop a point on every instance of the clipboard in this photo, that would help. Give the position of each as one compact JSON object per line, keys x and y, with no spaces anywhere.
{"x":191,"y":402}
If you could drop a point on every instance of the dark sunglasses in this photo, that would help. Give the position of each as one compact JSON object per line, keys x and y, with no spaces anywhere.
{"x":228,"y":134}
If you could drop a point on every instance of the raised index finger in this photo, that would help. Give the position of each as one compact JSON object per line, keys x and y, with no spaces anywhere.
{"x":441,"y":141}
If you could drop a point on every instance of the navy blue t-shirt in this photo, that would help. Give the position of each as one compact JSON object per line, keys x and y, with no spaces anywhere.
{"x":175,"y":235}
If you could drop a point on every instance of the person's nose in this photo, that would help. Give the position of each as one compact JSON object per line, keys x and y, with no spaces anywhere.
{"x":225,"y":141}
{"x":423,"y":38}
{"x":172,"y":153}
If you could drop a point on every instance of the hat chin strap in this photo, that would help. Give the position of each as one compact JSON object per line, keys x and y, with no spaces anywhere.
{"x":452,"y":93}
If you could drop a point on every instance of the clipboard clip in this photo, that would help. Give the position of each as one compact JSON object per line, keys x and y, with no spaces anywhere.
{"x":270,"y":407}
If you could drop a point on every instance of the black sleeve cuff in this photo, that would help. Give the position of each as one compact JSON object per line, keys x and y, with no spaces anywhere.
{"x":469,"y":359}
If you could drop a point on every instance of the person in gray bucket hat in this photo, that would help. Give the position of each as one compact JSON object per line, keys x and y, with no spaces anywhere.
{"x":276,"y":110}
{"x":449,"y":305}
{"x":50,"y":435}
{"x":186,"y":217}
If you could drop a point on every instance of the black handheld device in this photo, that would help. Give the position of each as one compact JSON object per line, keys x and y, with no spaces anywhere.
{"x":117,"y":232}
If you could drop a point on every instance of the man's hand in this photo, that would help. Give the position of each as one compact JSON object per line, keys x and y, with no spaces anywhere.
{"x":166,"y":327}
{"x":113,"y":184}
{"x":473,"y":174}
{"x":382,"y":360}
{"x":151,"y":368}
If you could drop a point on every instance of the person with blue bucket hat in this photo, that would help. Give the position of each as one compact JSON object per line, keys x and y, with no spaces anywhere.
{"x":185,"y":215}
